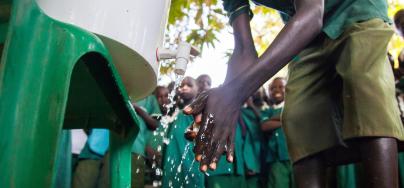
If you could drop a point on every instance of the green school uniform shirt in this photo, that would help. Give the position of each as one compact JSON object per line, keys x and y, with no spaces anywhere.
{"x":151,"y":106}
{"x":276,"y":148}
{"x":338,"y":14}
{"x":253,"y":139}
{"x":179,"y":166}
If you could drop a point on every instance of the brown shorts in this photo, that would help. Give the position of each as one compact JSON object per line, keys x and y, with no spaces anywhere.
{"x":340,"y":89}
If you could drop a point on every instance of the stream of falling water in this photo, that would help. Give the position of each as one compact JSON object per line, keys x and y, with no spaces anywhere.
{"x":165,"y":121}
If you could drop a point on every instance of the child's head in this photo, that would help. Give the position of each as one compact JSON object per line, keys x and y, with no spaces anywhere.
{"x":161,"y":94}
{"x":188,"y":89}
{"x":204,"y":82}
{"x":399,"y":22}
{"x":277,"y":90}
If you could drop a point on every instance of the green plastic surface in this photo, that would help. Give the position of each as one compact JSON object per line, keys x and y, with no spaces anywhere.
{"x":55,"y":75}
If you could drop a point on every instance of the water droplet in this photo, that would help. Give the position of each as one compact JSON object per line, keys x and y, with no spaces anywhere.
{"x":155,"y":183}
{"x":158,"y":172}
{"x":166,"y":141}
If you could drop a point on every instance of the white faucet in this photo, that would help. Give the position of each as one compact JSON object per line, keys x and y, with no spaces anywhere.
{"x":181,"y":55}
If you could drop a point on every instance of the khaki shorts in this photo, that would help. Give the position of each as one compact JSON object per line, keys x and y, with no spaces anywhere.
{"x":340,"y":89}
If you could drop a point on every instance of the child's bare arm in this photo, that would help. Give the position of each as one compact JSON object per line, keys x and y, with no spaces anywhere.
{"x":270,"y":125}
{"x":151,"y":123}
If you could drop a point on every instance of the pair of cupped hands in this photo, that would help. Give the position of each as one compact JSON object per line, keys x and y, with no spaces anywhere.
{"x":215,"y":116}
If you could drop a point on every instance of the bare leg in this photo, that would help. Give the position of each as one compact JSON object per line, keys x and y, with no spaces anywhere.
{"x":379,"y":158}
{"x":310,"y":172}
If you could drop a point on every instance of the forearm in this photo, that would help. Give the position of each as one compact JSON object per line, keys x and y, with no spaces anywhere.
{"x":244,"y":54}
{"x":270,"y":125}
{"x":306,"y":24}
{"x":151,"y":123}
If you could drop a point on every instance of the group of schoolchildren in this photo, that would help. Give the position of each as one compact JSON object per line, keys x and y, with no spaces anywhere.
{"x":163,"y":157}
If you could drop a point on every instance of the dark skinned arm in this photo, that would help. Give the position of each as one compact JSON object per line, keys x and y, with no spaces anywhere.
{"x":270,"y":125}
{"x":218,"y":109}
{"x":244,"y":54}
{"x":151,"y":123}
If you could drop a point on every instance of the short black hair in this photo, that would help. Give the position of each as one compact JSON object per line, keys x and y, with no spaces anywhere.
{"x":398,"y":15}
{"x":159,"y":88}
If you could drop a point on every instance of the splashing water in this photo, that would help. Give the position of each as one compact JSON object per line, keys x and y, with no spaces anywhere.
{"x":192,"y":164}
{"x":158,"y":148}
{"x":158,"y":172}
{"x":165,"y":122}
{"x":155,"y":183}
{"x":178,"y":80}
{"x":179,"y":168}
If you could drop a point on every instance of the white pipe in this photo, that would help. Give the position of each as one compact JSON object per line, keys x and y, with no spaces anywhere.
{"x":181,"y":55}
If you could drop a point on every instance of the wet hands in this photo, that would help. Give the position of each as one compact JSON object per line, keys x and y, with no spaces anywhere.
{"x":191,"y":132}
{"x":216,"y":112}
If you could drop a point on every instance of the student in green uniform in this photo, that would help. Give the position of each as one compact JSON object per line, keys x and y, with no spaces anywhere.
{"x":204,"y":82}
{"x":277,"y":162}
{"x":179,"y":168}
{"x":146,"y":109}
{"x":92,"y":167}
{"x":250,"y":119}
{"x":340,"y":103}
{"x":154,"y":142}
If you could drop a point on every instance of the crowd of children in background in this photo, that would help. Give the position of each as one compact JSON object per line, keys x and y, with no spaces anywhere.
{"x":163,"y":157}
